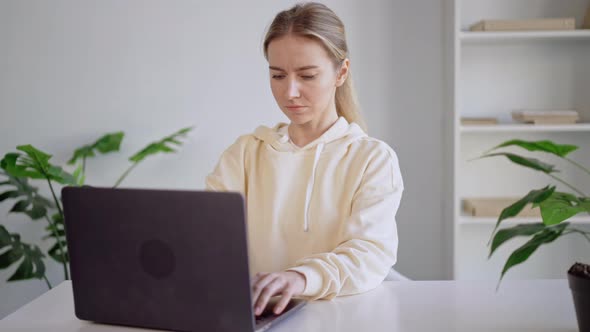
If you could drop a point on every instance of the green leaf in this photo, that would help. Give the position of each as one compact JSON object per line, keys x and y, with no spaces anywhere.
{"x":560,"y":207}
{"x":160,"y":146}
{"x":37,"y":212}
{"x":534,"y":196}
{"x":32,"y":266}
{"x":525,"y":161}
{"x":560,"y":150}
{"x":58,"y":174}
{"x":506,"y":234}
{"x":5,"y":238}
{"x":42,"y":201}
{"x":29,"y":194}
{"x":11,"y":256}
{"x":35,"y":154}
{"x":55,"y":252}
{"x":520,"y":255}
{"x":9,"y":194}
{"x":107,"y":143}
{"x":37,"y":259}
{"x":9,"y":160}
{"x":35,"y":165}
{"x":24,"y":271}
{"x":78,"y":175}
{"x":81,"y":153}
{"x":60,"y":232}
{"x":20,"y":206}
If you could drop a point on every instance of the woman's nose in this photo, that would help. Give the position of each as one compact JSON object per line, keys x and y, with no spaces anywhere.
{"x":293,"y":89}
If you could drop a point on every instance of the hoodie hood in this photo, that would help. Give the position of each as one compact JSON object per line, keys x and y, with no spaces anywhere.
{"x":341,"y":133}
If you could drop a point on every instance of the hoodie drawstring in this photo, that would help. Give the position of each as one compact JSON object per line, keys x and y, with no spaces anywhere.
{"x":310,"y":184}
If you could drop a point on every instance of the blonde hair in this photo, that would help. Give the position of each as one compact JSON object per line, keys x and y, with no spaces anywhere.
{"x":316,"y":21}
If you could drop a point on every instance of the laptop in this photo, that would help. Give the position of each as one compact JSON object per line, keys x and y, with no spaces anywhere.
{"x":162,"y":259}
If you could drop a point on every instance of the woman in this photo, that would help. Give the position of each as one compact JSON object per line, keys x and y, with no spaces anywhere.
{"x":321,"y":195}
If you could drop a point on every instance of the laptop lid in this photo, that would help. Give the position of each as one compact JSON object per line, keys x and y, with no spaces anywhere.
{"x":167,"y":259}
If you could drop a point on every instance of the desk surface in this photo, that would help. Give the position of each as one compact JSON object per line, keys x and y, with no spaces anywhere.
{"x":533,"y":305}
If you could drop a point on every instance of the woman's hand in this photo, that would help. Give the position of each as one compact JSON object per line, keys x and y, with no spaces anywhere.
{"x":266,"y":285}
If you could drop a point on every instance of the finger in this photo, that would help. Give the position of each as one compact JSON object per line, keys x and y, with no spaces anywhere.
{"x":271,"y":289}
{"x":260,"y":285}
{"x":287,"y":295}
{"x":257,"y":277}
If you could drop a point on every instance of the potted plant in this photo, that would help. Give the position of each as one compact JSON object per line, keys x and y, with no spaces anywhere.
{"x":18,"y":168}
{"x":556,"y":208}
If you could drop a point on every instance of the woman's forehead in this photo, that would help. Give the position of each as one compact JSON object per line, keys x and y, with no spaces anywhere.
{"x":295,"y":52}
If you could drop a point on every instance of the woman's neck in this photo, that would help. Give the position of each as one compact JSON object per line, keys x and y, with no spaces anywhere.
{"x":306,"y":133}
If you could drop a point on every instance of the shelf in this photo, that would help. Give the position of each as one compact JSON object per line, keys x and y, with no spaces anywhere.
{"x":469,"y":220}
{"x":500,"y":128}
{"x":484,"y":37}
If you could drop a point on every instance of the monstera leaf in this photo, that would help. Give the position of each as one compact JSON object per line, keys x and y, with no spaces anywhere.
{"x":107,"y":143}
{"x":31,"y":264}
{"x":29,"y":201}
{"x":162,"y":145}
{"x":57,"y":233}
{"x":34,"y":164}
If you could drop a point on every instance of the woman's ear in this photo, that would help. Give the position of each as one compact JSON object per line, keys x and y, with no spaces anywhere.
{"x":342,"y":73}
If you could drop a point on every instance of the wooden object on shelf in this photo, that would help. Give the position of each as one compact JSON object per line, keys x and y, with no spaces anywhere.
{"x":568,"y":23}
{"x":586,"y":24}
{"x":470,"y":121}
{"x":544,"y":117}
{"x":493,"y":206}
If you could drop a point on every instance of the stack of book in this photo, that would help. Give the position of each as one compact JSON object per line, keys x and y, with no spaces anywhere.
{"x":568,"y":23}
{"x":544,"y":117}
{"x":469,"y":121}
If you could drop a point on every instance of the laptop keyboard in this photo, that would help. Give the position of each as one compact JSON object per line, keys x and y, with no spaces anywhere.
{"x":268,"y":315}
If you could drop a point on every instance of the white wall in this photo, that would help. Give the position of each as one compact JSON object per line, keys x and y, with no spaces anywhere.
{"x":71,"y":71}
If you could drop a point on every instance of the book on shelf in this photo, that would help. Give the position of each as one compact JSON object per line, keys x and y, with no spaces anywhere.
{"x":586,"y":24}
{"x":566,"y":23}
{"x":544,"y":117}
{"x":493,"y":206}
{"x":472,"y":121}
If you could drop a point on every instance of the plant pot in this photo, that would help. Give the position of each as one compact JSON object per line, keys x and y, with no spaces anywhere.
{"x":579,"y":281}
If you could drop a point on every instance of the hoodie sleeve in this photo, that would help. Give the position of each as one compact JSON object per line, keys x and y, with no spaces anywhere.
{"x":230,"y":173}
{"x":369,"y":247}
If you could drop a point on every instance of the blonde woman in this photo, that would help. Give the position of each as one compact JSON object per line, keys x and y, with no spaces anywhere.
{"x":321,"y":195}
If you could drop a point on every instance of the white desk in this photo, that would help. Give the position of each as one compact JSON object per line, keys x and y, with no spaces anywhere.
{"x":538,"y":305}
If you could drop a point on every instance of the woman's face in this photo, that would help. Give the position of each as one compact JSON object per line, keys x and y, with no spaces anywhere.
{"x":303,"y":79}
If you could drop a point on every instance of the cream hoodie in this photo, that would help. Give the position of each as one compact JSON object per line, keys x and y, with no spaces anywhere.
{"x":326,"y":210}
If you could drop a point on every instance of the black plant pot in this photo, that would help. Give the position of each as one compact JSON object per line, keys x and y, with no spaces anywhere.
{"x":580,"y":287}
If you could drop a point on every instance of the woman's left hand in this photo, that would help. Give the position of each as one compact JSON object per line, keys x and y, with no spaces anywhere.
{"x":267,"y":285}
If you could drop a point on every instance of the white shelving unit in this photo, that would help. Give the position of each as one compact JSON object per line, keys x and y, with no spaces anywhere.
{"x":494,"y":73}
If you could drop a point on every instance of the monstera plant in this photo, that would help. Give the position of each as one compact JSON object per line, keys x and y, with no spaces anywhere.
{"x":18,"y":169}
{"x":557,"y":207}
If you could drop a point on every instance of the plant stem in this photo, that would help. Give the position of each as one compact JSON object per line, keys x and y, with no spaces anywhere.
{"x":578,"y":165}
{"x":63,"y":253}
{"x":124,"y":175}
{"x":47,"y":282}
{"x":567,"y":184}
{"x":83,"y":166}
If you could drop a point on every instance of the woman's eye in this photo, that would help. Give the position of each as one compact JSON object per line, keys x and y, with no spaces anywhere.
{"x":278,"y":77}
{"x":308,"y":77}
